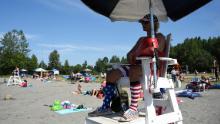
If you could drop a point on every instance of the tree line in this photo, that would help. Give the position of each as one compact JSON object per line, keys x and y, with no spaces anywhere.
{"x":196,"y":53}
{"x":14,"y":52}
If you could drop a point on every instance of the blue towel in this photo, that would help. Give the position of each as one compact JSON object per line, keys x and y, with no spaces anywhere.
{"x":215,"y":86}
{"x":68,"y":111}
{"x":188,"y":94}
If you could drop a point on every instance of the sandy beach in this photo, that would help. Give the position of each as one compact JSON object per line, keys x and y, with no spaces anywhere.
{"x":29,"y":103}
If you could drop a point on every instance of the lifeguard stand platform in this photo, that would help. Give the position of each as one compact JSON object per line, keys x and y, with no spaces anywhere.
{"x":14,"y":80}
{"x":171,"y":113}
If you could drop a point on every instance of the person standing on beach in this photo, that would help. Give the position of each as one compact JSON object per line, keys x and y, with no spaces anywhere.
{"x":16,"y":71}
{"x":216,"y":73}
{"x":216,"y":70}
{"x":134,"y":71}
{"x":174,"y":75}
{"x":196,"y":72}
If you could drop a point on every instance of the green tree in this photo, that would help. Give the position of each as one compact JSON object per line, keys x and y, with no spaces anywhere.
{"x":13,"y":51}
{"x":115,"y":59}
{"x":42,"y":65}
{"x":54,"y":60}
{"x":66,"y":68}
{"x":192,"y":52}
{"x":124,"y":60}
{"x":77,"y":68}
{"x":32,"y":63}
{"x":84,"y":65}
{"x":213,"y":46}
{"x":101,"y":65}
{"x":105,"y":60}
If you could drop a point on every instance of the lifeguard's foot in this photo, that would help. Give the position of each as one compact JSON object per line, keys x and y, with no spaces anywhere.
{"x":100,"y":112}
{"x":129,"y":115}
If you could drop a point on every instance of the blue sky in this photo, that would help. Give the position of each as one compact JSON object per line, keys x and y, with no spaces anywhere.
{"x":80,"y":34}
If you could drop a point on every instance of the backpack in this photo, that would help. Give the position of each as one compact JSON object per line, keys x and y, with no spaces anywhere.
{"x":120,"y":101}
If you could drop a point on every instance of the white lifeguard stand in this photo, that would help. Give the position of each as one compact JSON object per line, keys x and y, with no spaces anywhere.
{"x":14,"y":80}
{"x":171,"y":114}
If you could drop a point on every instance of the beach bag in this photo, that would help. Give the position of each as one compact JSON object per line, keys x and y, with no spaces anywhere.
{"x":120,"y":102}
{"x":56,"y":105}
{"x":116,"y":104}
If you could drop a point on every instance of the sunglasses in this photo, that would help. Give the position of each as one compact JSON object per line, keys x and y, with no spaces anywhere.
{"x":146,"y":21}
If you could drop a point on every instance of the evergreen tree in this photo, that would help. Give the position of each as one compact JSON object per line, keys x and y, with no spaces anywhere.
{"x":101,"y":65}
{"x":54,"y":60}
{"x":84,"y":65}
{"x":192,"y":52}
{"x":124,"y":60}
{"x":42,"y":65}
{"x":66,"y":68}
{"x":115,"y":59}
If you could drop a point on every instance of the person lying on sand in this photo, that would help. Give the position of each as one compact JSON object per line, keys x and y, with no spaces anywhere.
{"x":94,"y":92}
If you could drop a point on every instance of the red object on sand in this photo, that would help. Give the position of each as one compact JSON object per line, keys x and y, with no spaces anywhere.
{"x":179,"y":100}
{"x":100,"y":95}
{"x":23,"y":84}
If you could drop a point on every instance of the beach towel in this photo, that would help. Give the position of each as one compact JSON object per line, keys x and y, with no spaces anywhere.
{"x":68,"y":111}
{"x":188,"y":94}
{"x":215,"y":86}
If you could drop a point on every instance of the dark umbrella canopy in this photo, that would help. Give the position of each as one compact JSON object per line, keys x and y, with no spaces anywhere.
{"x":176,"y":9}
{"x":133,"y":10}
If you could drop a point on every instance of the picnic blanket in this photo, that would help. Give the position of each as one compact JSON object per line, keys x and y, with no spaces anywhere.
{"x":68,"y":111}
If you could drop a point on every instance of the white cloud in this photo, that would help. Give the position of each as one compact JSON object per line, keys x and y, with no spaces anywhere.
{"x":70,"y":47}
{"x":31,"y":36}
{"x":27,"y":35}
{"x":62,"y":4}
{"x":66,"y":5}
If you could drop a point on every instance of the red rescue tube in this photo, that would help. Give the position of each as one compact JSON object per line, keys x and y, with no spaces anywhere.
{"x":146,"y":47}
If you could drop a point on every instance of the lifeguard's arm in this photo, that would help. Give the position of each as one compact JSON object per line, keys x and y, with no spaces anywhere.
{"x":131,"y":55}
{"x":161,"y":41}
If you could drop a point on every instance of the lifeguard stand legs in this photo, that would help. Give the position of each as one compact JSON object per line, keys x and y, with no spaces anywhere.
{"x":173,"y":116}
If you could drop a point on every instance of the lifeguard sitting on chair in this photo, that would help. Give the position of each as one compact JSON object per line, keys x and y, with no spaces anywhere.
{"x":144,"y":47}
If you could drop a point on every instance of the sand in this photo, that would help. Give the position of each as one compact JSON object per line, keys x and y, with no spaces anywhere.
{"x":28,"y":105}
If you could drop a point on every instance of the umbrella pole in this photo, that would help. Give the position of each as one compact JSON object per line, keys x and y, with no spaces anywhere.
{"x":155,"y":59}
{"x":151,"y":20}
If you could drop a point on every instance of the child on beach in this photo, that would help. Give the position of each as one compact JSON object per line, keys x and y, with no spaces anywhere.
{"x":79,"y":89}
